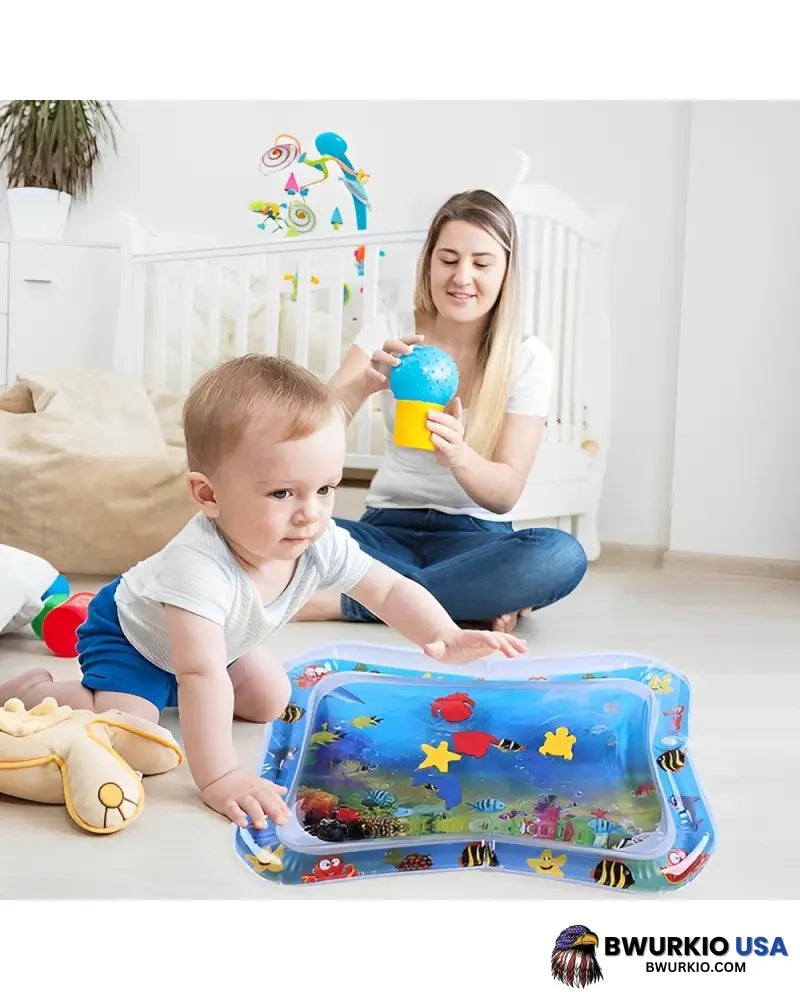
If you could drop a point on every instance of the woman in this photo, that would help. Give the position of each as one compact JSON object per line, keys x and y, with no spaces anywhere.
{"x":442,"y":518}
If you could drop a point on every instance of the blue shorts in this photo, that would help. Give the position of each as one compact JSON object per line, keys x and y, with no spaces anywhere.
{"x":110,"y":663}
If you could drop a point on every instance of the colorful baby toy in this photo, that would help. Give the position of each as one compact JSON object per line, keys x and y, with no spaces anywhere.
{"x":569,"y":769}
{"x":32,"y":592}
{"x":426,"y":379}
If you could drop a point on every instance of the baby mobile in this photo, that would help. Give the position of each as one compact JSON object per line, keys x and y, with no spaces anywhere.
{"x":295,"y":216}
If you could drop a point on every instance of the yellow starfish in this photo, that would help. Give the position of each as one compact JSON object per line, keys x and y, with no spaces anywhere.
{"x":547,"y":864}
{"x":267,"y":860}
{"x":438,"y":757}
{"x":661,"y":684}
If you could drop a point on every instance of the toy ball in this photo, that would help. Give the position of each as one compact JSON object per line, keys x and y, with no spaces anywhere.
{"x":426,"y":379}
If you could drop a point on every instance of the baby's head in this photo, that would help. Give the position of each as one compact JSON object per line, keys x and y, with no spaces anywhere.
{"x":265,"y":443}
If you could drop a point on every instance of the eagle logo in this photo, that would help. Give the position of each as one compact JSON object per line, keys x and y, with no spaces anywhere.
{"x":573,"y":961}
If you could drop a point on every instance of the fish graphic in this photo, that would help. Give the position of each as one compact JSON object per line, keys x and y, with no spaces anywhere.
{"x":363,"y":721}
{"x":688,"y":814}
{"x":671,"y":760}
{"x":509,"y":746}
{"x":477,"y":854}
{"x":292,"y":713}
{"x":379,"y":798}
{"x":325,"y":736}
{"x":613,"y":873}
{"x":281,"y":757}
{"x":488,"y":805}
{"x":352,"y":767}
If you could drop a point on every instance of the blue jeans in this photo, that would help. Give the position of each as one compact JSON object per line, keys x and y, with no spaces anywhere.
{"x":476,"y":569}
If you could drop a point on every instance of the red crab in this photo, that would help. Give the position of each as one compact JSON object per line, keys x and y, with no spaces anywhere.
{"x":313,"y":674}
{"x":453,"y":707}
{"x":328,"y":868}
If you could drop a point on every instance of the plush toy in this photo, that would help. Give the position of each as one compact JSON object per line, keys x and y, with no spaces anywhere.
{"x":89,"y":762}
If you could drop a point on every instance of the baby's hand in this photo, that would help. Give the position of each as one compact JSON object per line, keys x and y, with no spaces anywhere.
{"x":463,"y":645}
{"x":238,"y":795}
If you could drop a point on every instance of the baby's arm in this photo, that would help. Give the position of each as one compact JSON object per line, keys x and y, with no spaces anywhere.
{"x":416,"y":614}
{"x":205,"y":708}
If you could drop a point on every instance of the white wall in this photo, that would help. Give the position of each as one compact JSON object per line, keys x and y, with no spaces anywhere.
{"x":737,"y":461}
{"x":194,"y":166}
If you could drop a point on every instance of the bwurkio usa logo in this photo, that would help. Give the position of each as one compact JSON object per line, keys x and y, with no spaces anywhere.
{"x":574,"y":959}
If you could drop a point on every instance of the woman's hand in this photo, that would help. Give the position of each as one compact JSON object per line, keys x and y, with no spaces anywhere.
{"x":386,"y":358}
{"x":447,"y":434}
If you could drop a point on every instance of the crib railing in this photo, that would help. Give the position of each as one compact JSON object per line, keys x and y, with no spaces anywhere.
{"x":563,"y":305}
{"x":188,"y":309}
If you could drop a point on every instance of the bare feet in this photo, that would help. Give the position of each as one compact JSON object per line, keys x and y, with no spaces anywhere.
{"x":323,"y":606}
{"x":22,"y":685}
{"x":508,"y":622}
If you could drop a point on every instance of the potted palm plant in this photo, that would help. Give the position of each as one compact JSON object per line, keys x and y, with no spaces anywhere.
{"x":49,"y":150}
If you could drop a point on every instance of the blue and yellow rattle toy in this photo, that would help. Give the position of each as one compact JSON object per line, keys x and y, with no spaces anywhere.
{"x":426,"y":379}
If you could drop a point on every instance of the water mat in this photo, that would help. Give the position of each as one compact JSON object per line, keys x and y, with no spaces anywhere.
{"x":571,"y":768}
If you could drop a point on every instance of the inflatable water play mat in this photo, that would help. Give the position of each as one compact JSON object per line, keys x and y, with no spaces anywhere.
{"x":572,"y":768}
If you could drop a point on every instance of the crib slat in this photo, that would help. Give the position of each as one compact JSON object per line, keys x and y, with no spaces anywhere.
{"x":335,"y":324}
{"x":272,"y":304}
{"x":529,"y":263}
{"x":580,"y":329}
{"x":160,"y":333}
{"x":138,"y":331}
{"x":242,"y":307}
{"x":185,"y":331}
{"x":215,"y":312}
{"x":569,"y":428}
{"x":543,"y":329}
{"x":557,"y":315}
{"x":369,"y":282}
{"x":303,"y":308}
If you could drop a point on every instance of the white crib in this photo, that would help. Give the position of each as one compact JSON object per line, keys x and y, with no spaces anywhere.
{"x":186,"y":308}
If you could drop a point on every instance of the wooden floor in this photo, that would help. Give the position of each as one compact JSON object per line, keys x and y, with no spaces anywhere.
{"x":737,"y":639}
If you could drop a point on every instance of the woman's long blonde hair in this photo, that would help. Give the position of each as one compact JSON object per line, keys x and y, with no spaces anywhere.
{"x":490,"y":387}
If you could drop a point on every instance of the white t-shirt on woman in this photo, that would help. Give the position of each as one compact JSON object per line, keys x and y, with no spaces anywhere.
{"x":411,"y":477}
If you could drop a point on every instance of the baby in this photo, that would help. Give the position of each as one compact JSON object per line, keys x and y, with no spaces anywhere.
{"x":265,"y":442}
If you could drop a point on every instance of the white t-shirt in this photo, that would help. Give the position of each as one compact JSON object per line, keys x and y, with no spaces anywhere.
{"x":411,"y":477}
{"x":197,"y":571}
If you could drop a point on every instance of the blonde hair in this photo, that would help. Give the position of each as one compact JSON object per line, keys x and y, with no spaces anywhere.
{"x":224,"y":401}
{"x":490,"y":387}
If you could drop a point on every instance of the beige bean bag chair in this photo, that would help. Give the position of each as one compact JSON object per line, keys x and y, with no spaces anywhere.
{"x":92,"y":470}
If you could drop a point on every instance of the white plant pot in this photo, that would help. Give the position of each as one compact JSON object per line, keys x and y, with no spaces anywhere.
{"x":37,"y":213}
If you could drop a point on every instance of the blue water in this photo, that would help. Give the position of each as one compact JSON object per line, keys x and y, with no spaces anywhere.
{"x":372,"y":768}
